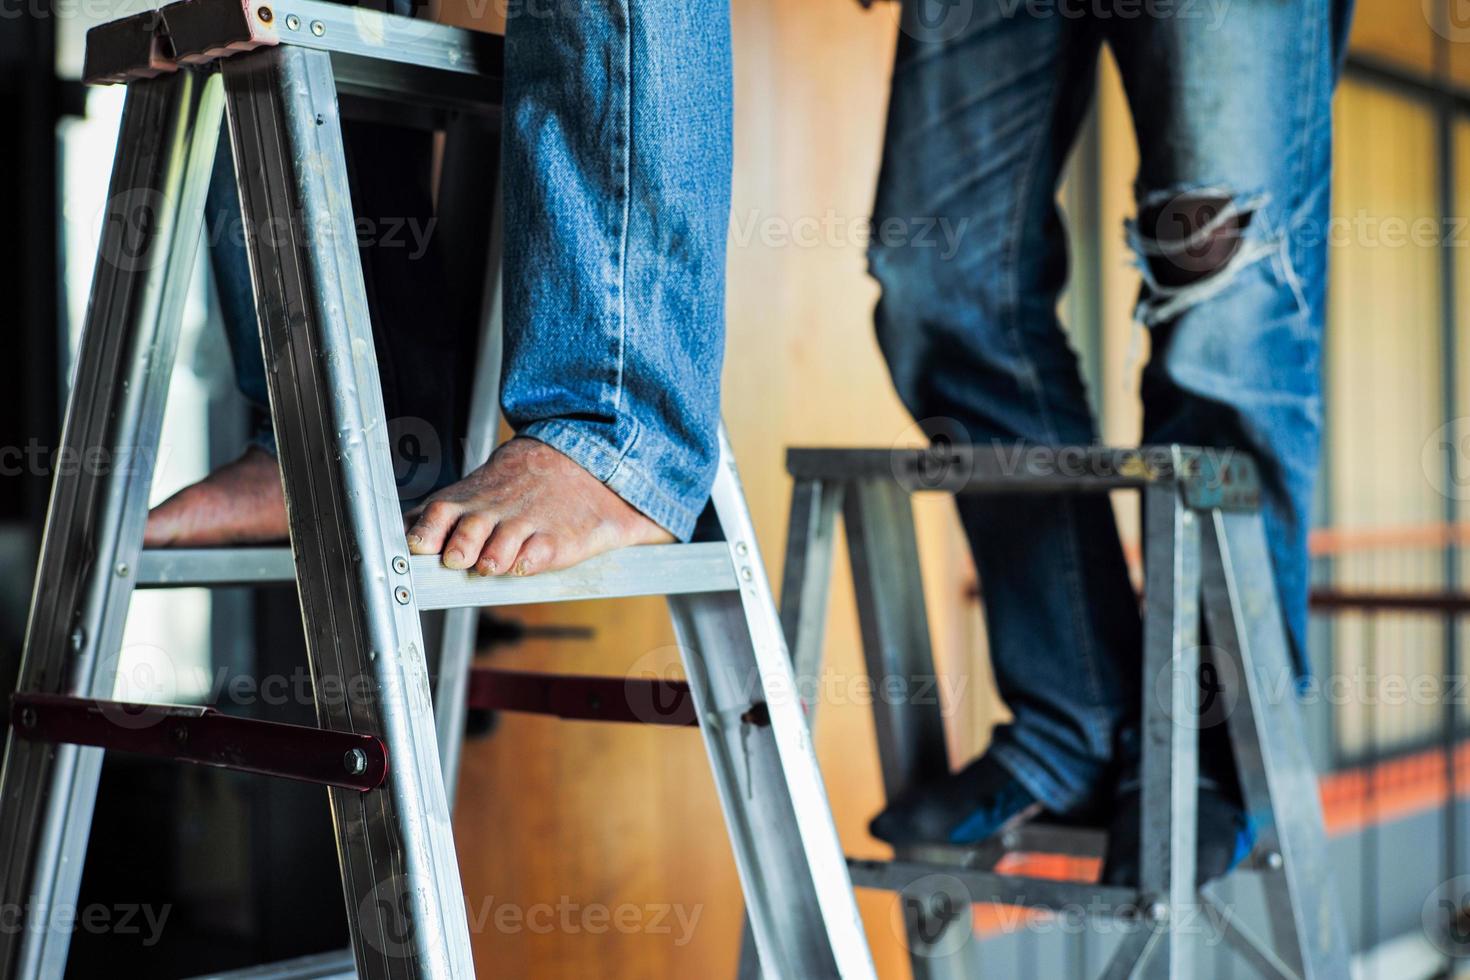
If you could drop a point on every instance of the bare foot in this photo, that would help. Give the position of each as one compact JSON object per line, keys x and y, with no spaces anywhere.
{"x":529,"y":509}
{"x":239,"y":503}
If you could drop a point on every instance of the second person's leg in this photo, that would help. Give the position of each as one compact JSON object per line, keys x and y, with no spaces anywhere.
{"x":980,"y":124}
{"x":1234,"y":123}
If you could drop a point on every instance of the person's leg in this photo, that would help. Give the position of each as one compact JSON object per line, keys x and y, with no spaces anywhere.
{"x":1234,"y":124}
{"x":241,"y":502}
{"x":980,"y":124}
{"x":416,"y":339}
{"x":1233,"y":116}
{"x":617,"y":170}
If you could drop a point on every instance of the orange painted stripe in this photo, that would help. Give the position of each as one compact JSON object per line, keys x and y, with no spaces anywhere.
{"x":1336,"y":540}
{"x":1325,"y":542}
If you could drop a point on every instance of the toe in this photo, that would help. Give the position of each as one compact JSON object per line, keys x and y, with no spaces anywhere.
{"x":427,"y":535}
{"x":468,"y":540}
{"x":537,"y":555}
{"x":505,"y":545}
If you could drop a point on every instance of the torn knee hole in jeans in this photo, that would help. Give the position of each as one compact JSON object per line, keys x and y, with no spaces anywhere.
{"x":1190,"y":244}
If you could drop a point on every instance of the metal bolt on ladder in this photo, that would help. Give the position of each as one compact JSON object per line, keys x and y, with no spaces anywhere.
{"x":282,"y":73}
{"x":1205,"y":551}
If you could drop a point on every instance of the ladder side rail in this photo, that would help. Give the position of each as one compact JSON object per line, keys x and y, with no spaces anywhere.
{"x":1265,"y":958}
{"x":94,"y":526}
{"x":776,"y":876}
{"x":792,"y":869}
{"x":401,"y":881}
{"x":806,"y":582}
{"x":1169,"y":769}
{"x":806,"y":578}
{"x":1137,"y":949}
{"x":1276,"y":771}
{"x":457,"y":646}
{"x":883,"y":551}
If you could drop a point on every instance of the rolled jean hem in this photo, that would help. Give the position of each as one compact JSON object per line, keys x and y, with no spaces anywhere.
{"x":1050,"y":793}
{"x":611,"y":465}
{"x":265,"y":438}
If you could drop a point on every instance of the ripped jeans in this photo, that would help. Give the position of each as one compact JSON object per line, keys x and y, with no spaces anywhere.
{"x":1231,"y":104}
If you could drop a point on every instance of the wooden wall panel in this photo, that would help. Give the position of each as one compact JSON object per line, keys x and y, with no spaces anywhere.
{"x":1384,"y":392}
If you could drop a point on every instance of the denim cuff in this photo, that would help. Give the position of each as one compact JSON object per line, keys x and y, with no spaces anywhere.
{"x":1037,"y":781}
{"x":624,"y":470}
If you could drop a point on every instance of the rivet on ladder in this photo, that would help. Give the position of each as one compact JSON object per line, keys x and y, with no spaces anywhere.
{"x":293,"y":22}
{"x":318,"y":28}
{"x":28,"y":717}
{"x":758,"y":714}
{"x":1274,"y":861}
{"x":742,"y":549}
{"x":1157,"y":912}
{"x":402,"y":595}
{"x":78,"y":639}
{"x":266,"y":15}
{"x":400,"y":564}
{"x":122,"y":569}
{"x":355,"y":761}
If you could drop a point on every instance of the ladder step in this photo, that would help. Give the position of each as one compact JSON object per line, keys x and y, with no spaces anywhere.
{"x":916,"y":877}
{"x":1049,"y":838}
{"x":654,"y":569}
{"x":177,"y":568}
{"x":336,"y":965}
{"x":190,"y":733}
{"x":647,"y":701}
{"x":129,"y":47}
{"x":1066,"y":840}
{"x":1225,"y":479}
{"x":376,"y":55}
{"x":657,"y":569}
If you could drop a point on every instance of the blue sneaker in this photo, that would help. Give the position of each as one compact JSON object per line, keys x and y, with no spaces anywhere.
{"x":962,"y":809}
{"x":1224,"y":837}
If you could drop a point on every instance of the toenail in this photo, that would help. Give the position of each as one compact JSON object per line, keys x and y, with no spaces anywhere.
{"x":521,"y":568}
{"x":491,"y":566}
{"x":454,"y":554}
{"x":415,"y":540}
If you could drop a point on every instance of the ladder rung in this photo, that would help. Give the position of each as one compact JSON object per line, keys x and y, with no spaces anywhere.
{"x":1221,"y":478}
{"x":336,"y":965}
{"x":177,"y":568}
{"x":190,"y":733}
{"x":1033,"y":837}
{"x":1046,"y":838}
{"x":656,"y":569}
{"x":660,"y":569}
{"x":998,"y":889}
{"x":647,"y":701}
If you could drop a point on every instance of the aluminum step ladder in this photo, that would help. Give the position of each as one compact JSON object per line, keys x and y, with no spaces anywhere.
{"x":282,"y":72}
{"x":1205,"y":551}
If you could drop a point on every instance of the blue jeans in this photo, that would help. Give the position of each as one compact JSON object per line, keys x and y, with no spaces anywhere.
{"x":616,"y":177}
{"x":1231,"y":105}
